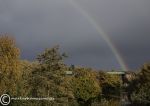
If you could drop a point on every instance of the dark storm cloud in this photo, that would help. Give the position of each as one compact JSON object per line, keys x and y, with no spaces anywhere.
{"x":40,"y":24}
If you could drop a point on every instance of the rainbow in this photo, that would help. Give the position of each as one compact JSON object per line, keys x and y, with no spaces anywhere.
{"x":108,"y":40}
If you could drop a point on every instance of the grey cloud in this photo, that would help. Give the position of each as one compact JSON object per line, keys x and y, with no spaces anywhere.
{"x":40,"y":24}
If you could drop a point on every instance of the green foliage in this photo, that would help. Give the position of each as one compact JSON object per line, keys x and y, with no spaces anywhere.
{"x":48,"y":79}
{"x":142,"y":94}
{"x":85,"y":86}
{"x":144,"y":75}
{"x":110,"y":84}
{"x":105,"y":102}
{"x":140,"y":87}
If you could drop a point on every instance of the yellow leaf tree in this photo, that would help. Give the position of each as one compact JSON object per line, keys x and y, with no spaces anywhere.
{"x":9,"y":65}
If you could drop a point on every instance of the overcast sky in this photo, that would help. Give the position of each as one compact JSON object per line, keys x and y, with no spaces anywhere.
{"x":40,"y":24}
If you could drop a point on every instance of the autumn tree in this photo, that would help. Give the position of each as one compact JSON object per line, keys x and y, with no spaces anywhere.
{"x":9,"y":65}
{"x":27,"y":68}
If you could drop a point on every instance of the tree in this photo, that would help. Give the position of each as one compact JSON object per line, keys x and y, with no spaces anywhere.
{"x":110,"y":84}
{"x":9,"y":65}
{"x":48,"y":79}
{"x":141,"y":94}
{"x":144,"y":75}
{"x":85,"y":86}
{"x":140,"y":87}
{"x":27,"y":69}
{"x":24,"y":87}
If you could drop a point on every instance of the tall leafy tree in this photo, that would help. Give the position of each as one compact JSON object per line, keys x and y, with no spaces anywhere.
{"x":139,"y":87}
{"x":85,"y":86}
{"x":145,"y":73}
{"x":48,"y":79}
{"x":110,"y":84}
{"x":24,"y":87}
{"x":9,"y":65}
